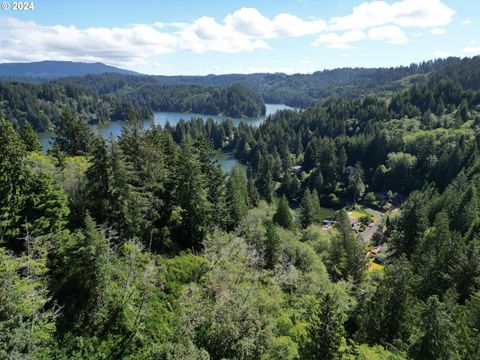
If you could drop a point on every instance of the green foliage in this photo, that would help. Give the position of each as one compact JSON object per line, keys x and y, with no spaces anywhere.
{"x":13,"y":178}
{"x":237,"y":196}
{"x":283,"y":216}
{"x":73,"y":136}
{"x":346,"y":258}
{"x":26,"y":324}
{"x":364,"y":352}
{"x":309,"y":208}
{"x":126,"y":204}
{"x":438,"y":334}
{"x":370,"y":197}
{"x":81,"y":278}
{"x":356,"y":182}
{"x":325,"y":331}
{"x":271,"y":245}
{"x":389,"y":314}
{"x":192,"y":199}
{"x":29,"y":138}
{"x":144,"y":248}
{"x":45,"y":210}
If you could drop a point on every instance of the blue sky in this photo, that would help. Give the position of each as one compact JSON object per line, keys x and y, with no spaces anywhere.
{"x":202,"y":37}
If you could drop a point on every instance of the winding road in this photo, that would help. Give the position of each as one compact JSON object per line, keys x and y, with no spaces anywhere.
{"x":369,"y":231}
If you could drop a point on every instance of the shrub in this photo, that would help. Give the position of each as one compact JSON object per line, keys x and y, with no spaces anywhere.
{"x":370,"y":197}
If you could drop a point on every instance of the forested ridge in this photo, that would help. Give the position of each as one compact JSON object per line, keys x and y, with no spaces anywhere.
{"x":303,"y":90}
{"x":41,"y":104}
{"x":112,"y":96}
{"x":141,"y":247}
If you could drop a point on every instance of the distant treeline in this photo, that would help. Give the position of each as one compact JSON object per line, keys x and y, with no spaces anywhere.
{"x":111,"y":96}
{"x":42,"y":104}
{"x":302,"y":90}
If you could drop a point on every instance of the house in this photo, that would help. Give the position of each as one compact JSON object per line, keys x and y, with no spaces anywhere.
{"x":329,"y":222}
{"x":375,"y":250}
{"x":296,"y":168}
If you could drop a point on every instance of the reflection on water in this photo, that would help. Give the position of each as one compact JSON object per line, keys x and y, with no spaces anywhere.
{"x":114,"y":128}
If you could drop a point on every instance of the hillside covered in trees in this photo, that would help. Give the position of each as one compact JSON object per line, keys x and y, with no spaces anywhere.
{"x":41,"y":104}
{"x":302,"y":90}
{"x":141,"y":247}
{"x":112,"y":96}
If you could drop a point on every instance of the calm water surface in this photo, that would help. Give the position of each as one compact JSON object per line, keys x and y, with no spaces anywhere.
{"x":114,"y":128}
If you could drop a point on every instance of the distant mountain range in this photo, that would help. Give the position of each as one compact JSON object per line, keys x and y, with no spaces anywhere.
{"x":42,"y":70}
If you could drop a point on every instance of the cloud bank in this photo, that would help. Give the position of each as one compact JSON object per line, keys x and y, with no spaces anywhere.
{"x":244,"y":30}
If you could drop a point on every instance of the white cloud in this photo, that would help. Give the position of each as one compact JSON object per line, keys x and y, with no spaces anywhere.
{"x":29,"y":41}
{"x":205,"y":34}
{"x":336,"y":41}
{"x":466,"y":22}
{"x":256,"y":69}
{"x":406,"y":13}
{"x":442,"y":54}
{"x":471,"y":50}
{"x":438,"y":31}
{"x":244,"y":30}
{"x":384,"y":21}
{"x":391,"y":33}
{"x":417,"y":34}
{"x":251,"y":22}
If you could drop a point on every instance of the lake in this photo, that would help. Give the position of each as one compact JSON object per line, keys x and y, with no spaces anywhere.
{"x":114,"y":128}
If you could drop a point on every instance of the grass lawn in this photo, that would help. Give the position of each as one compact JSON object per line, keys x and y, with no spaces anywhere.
{"x":325,"y":213}
{"x":372,"y":266}
{"x":359,"y":213}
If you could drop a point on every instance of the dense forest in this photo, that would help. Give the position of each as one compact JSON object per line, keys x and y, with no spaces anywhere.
{"x":41,"y":104}
{"x":303,"y":90}
{"x":141,"y":247}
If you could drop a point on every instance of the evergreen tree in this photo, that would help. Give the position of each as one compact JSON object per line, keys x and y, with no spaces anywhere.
{"x":191,"y":197}
{"x":307,"y":209}
{"x":356,"y":184}
{"x":29,"y":138}
{"x":283,"y":216}
{"x":253,"y":196}
{"x":45,"y":210}
{"x":462,"y":111}
{"x":126,"y":205}
{"x":27,"y":323}
{"x":324,"y":331}
{"x":237,"y":196}
{"x":317,"y":183}
{"x":264,"y":181}
{"x":73,"y":136}
{"x":13,"y":182}
{"x":316,"y":206}
{"x":438,"y":339}
{"x":389,"y":314}
{"x":346,"y":259}
{"x":218,"y":196}
{"x":80,"y":279}
{"x":412,"y":223}
{"x":98,"y":178}
{"x":434,"y":257}
{"x":272,"y":245}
